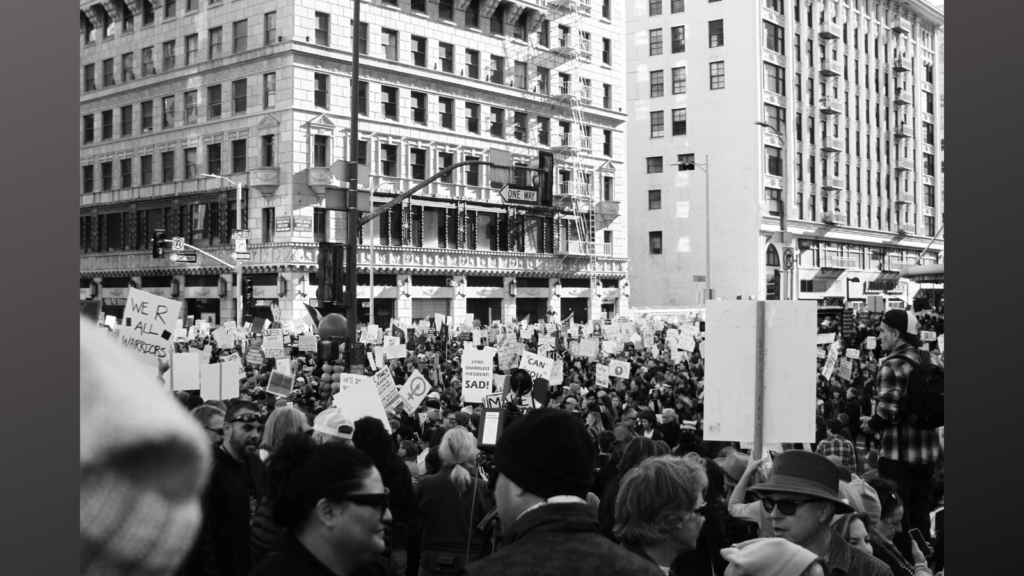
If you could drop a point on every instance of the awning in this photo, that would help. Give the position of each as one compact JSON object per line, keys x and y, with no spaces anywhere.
{"x":934,"y":273}
{"x":884,"y":282}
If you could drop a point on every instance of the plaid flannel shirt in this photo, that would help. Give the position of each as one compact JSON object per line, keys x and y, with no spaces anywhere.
{"x":836,"y":445}
{"x":917,"y":446}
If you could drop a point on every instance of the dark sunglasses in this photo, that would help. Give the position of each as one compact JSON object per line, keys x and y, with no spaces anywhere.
{"x":786,"y":507}
{"x":379,"y":501}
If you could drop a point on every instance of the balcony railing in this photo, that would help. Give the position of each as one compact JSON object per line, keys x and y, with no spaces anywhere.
{"x":840,"y":262}
{"x":904,"y":165}
{"x":832,"y":217}
{"x":905,"y":228}
{"x":572,"y":189}
{"x":832,"y":145}
{"x":902,"y":64}
{"x":578,"y":5}
{"x":830,"y":31}
{"x":905,"y":198}
{"x":900,"y":26}
{"x":902,"y":97}
{"x":581,"y":248}
{"x":832,"y":184}
{"x":904,"y":131}
{"x":828,"y":67}
{"x":830,"y":106}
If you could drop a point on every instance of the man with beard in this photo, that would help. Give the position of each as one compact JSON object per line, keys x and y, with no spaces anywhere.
{"x":231,"y":497}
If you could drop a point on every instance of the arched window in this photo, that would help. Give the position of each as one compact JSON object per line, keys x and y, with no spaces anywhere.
{"x":772,"y":257}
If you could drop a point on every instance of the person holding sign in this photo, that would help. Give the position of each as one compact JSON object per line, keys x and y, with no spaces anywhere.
{"x":333,"y":503}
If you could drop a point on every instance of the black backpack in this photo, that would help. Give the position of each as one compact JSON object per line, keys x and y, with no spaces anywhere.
{"x":923,"y":402}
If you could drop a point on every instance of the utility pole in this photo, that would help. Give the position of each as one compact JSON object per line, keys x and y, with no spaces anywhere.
{"x":351,"y":254}
{"x":786,"y":292}
{"x":238,"y":227}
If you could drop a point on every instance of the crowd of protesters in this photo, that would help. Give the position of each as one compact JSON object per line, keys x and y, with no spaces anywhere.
{"x":609,"y":479}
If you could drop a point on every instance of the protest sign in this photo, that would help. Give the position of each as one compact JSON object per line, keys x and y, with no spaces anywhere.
{"x":619,"y":369}
{"x":307,"y":343}
{"x":231,"y":373}
{"x":544,"y":349}
{"x":508,"y":352}
{"x":209,"y":381}
{"x":677,"y":356}
{"x":111,"y":322}
{"x":853,"y":353}
{"x":392,"y":341}
{"x":830,"y":362}
{"x":928,"y":336}
{"x":362,"y":400}
{"x":254,"y":356}
{"x":942,"y":343}
{"x":414,"y":391}
{"x":588,"y":348}
{"x":538,"y":366}
{"x":185,"y":371}
{"x":280,"y":384}
{"x":671,"y":333}
{"x":283,"y":364}
{"x":602,"y":373}
{"x":789,"y":380}
{"x":395,"y":352}
{"x":846,"y":369}
{"x":870,"y":343}
{"x":477,"y":375}
{"x":556,"y":374}
{"x":826,"y":338}
{"x":546,"y":341}
{"x":493,"y":401}
{"x":147,"y":326}
{"x":821,"y":353}
{"x":386,"y":388}
{"x":349,"y":380}
{"x":273,"y":342}
{"x":574,"y":348}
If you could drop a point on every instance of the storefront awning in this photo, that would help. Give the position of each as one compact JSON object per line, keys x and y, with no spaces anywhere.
{"x":934,"y":273}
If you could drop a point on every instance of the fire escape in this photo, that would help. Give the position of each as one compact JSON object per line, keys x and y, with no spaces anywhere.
{"x":829,"y":71}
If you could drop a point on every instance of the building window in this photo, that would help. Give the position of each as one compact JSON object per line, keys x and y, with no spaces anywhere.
{"x":89,"y":72}
{"x":497,"y":122}
{"x":654,"y":242}
{"x":657,"y":124}
{"x":269,"y":28}
{"x":497,"y":70}
{"x":191,"y":107}
{"x":146,"y":165}
{"x":678,"y":39}
{"x":929,"y":164}
{"x":269,"y":90}
{"x":498,"y":20}
{"x":323,"y":29}
{"x":607,"y":150}
{"x":213,"y":159}
{"x":543,"y":80}
{"x":419,"y":51}
{"x":268,"y":151}
{"x":519,"y":126}
{"x":148,"y":14}
{"x":472,"y":171}
{"x":168,"y":55}
{"x":774,"y":209}
{"x":657,"y":83}
{"x":655,"y":42}
{"x":170,"y":9}
{"x":389,"y":160}
{"x":419,"y":107}
{"x":473,"y":64}
{"x":191,"y":49}
{"x":127,"y":67}
{"x":444,"y":160}
{"x":418,"y":163}
{"x":167,"y":166}
{"x":147,"y":116}
{"x":191,"y":163}
{"x":320,"y":89}
{"x":87,"y":178}
{"x":215,"y":42}
{"x":717,"y":75}
{"x":774,"y":38}
{"x":168,"y":120}
{"x":446,"y":9}
{"x":108,"y":72}
{"x":716,"y":33}
{"x":447,"y":107}
{"x":363,"y":102}
{"x":775,"y":78}
{"x":774,"y":160}
{"x":654,"y":199}
{"x":88,"y":128}
{"x":239,"y":36}
{"x":126,"y":121}
{"x":320,"y":147}
{"x":238,"y":156}
{"x":607,"y":97}
{"x":606,"y":9}
{"x":678,"y":6}
{"x":364,"y":38}
{"x":606,"y":51}
{"x":519,"y":75}
{"x":472,"y":118}
{"x":654,"y":165}
{"x":679,"y":80}
{"x":473,"y":14}
{"x":389,"y":41}
{"x":679,"y":122}
{"x":776,"y":118}
{"x":126,"y":173}
{"x":213,"y":104}
{"x":447,"y":54}
{"x":654,"y":7}
{"x":268,"y":224}
{"x":238,"y":96}
{"x":389,"y":102}
{"x":929,"y":195}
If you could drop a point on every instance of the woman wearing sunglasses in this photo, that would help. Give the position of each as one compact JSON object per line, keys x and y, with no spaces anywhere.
{"x":333,"y":505}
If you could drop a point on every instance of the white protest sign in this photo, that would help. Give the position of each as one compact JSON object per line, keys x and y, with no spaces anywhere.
{"x":230,"y":373}
{"x":280,"y":384}
{"x":283,"y":365}
{"x":362,"y":400}
{"x":826,"y":338}
{"x":602,"y":380}
{"x":527,"y":333}
{"x":392,"y":341}
{"x":349,"y":380}
{"x":493,"y":401}
{"x":544,"y":349}
{"x":273,"y":342}
{"x":846,"y":369}
{"x":942,"y":343}
{"x":853,"y":353}
{"x":789,"y":378}
{"x":477,"y":375}
{"x":386,"y":388}
{"x":556,"y":374}
{"x":185,"y":371}
{"x":821,"y":353}
{"x":671,"y":333}
{"x":588,"y":348}
{"x":209,"y":381}
{"x":414,"y":391}
{"x":307,"y":343}
{"x":928,"y":336}
{"x":478,"y":337}
{"x":538,"y":366}
{"x":148,"y":325}
{"x":871,"y":343}
{"x":546,"y":341}
{"x":395,"y":352}
{"x":619,"y":369}
{"x":830,"y":363}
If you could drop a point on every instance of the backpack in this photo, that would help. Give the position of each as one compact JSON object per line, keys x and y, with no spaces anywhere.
{"x":923,"y":402}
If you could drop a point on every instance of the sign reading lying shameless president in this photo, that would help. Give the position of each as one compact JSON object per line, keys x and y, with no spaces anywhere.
{"x":149,"y":322}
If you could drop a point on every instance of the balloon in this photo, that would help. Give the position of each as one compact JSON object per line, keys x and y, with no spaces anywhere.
{"x":328,"y":368}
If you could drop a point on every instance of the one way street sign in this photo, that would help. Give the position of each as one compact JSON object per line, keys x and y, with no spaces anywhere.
{"x":184,"y":257}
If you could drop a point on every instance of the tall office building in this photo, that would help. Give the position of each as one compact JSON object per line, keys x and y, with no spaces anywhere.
{"x":260,"y":92}
{"x":849,"y":152}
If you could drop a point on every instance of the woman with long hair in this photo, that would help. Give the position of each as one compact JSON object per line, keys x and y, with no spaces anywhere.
{"x":452,"y":502}
{"x":408,"y":452}
{"x":372,"y":439}
{"x":333,"y":505}
{"x":853,"y":528}
{"x":889,"y":524}
{"x":265,"y":532}
{"x":594,"y":424}
{"x":282,"y":421}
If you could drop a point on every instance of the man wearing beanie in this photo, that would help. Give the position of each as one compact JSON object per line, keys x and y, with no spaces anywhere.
{"x":907,"y":455}
{"x":545,"y":465}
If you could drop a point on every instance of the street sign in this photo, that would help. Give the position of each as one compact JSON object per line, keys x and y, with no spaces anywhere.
{"x":698,"y":278}
{"x":240,"y":234}
{"x":519,"y":195}
{"x":183,"y":257}
{"x":178,"y":244}
{"x":787,"y":258}
{"x":243,"y":255}
{"x":241,"y":245}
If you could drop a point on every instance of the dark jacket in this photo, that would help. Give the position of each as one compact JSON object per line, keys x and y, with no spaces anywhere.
{"x":290,"y":558}
{"x":448,"y":516}
{"x":229,"y":504}
{"x":640,"y":552}
{"x":845,"y":560}
{"x":560,"y":539}
{"x":606,"y":510}
{"x":705,"y":559}
{"x":604,"y":476}
{"x":671,"y":433}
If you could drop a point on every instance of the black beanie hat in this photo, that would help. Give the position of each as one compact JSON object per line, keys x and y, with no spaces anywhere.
{"x":547,"y":453}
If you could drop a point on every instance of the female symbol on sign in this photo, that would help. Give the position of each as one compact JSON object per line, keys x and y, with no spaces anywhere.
{"x":417,"y":387}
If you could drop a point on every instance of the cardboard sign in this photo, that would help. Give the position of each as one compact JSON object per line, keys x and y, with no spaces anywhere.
{"x":386,"y":388}
{"x":254,"y":356}
{"x":826,"y":338}
{"x":273,"y":342}
{"x":209,"y":381}
{"x":148,"y":325}
{"x":362,"y":400}
{"x":493,"y":401}
{"x":395,"y":352}
{"x":280,"y":384}
{"x":185,"y":371}
{"x":619,"y":369}
{"x":414,"y":391}
{"x":830,"y":363}
{"x":853,"y":353}
{"x":602,"y":379}
{"x":231,"y":373}
{"x":307,"y":343}
{"x":477,"y":375}
{"x":846,"y":369}
{"x":538,"y":366}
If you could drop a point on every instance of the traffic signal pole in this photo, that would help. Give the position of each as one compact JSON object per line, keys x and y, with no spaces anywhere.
{"x":238,"y":263}
{"x":352,"y":313}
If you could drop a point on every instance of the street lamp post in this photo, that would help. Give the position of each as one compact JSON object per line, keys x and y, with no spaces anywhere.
{"x":238,"y":226}
{"x":705,"y":167}
{"x":787,"y":274}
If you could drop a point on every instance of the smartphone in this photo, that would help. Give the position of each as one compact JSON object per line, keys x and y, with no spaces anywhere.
{"x":921,"y":542}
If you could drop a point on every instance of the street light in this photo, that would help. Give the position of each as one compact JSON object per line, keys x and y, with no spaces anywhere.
{"x":238,"y":226}
{"x":707,"y":217}
{"x":848,"y":280}
{"x":787,"y":284}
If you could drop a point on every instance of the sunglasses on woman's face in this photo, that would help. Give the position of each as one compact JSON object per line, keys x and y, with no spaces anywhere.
{"x":786,"y":506}
{"x":373,"y":500}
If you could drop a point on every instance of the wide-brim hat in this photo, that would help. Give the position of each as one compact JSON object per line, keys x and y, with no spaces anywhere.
{"x":807,"y":474}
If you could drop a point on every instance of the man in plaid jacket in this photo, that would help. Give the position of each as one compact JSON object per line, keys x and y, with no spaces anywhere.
{"x":836,"y":445}
{"x":907,"y":455}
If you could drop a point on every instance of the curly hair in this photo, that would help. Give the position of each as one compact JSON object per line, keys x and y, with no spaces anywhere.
{"x":656,"y":495}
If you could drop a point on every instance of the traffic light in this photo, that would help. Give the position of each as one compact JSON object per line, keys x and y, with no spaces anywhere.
{"x":159,"y":242}
{"x":247,"y":290}
{"x":774,"y":285}
{"x":543,"y":179}
{"x":685,"y":162}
